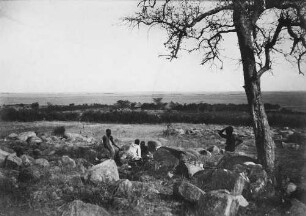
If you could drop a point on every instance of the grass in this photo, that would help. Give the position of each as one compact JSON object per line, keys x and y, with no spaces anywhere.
{"x":292,"y":162}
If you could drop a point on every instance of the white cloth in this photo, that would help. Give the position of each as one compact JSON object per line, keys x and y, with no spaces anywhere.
{"x":135,"y":151}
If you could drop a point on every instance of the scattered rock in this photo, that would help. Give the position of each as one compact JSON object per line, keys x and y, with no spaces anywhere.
{"x":12,"y":136}
{"x":68,"y":162}
{"x":35,"y":140}
{"x":36,"y":153}
{"x":228,"y":161}
{"x":202,"y":179}
{"x":79,"y":208}
{"x":13,"y":162}
{"x":163,"y":140}
{"x":214,"y":149}
{"x":131,"y":189}
{"x":258,"y":180}
{"x":219,"y":203}
{"x":180,"y":131}
{"x":299,"y":138}
{"x":30,"y":174}
{"x":187,"y":169}
{"x":104,"y":172}
{"x":42,"y":162}
{"x":205,"y":152}
{"x":293,"y":146}
{"x":165,"y":159}
{"x":121,"y":203}
{"x":187,"y":191}
{"x":26,"y":135}
{"x":26,"y":160}
{"x":290,"y":188}
{"x":297,"y":208}
{"x":229,"y":180}
{"x":242,"y":201}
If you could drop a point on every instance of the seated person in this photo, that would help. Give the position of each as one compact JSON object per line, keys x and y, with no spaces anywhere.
{"x":135,"y":150}
{"x":144,"y":149}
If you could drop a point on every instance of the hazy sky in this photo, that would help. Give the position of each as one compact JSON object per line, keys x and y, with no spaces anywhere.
{"x":82,"y":46}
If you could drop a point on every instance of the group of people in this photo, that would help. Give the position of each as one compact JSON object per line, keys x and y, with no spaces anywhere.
{"x":139,"y":150}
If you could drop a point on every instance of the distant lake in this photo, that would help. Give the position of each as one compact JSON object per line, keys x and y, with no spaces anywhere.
{"x":292,"y":100}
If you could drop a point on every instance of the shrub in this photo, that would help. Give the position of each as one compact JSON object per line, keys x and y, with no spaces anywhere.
{"x":59,"y":131}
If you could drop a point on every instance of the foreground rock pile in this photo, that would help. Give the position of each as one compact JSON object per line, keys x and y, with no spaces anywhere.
{"x":72,"y":174}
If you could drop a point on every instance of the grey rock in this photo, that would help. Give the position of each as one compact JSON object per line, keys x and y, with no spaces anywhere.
{"x":26,"y":135}
{"x":297,"y":208}
{"x":26,"y":160}
{"x":214,"y":149}
{"x":13,"y":162}
{"x":187,"y":191}
{"x":229,"y":180}
{"x":12,"y":136}
{"x":129,"y":189}
{"x":68,"y":162}
{"x":217,"y":203}
{"x":104,"y":172}
{"x":187,"y":169}
{"x":79,"y":208}
{"x":153,"y":145}
{"x":42,"y":162}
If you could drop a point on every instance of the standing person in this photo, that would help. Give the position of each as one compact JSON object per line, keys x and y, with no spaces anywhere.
{"x":108,"y":143}
{"x":232,"y":140}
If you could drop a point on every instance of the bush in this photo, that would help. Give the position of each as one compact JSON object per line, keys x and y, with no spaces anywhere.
{"x":59,"y":131}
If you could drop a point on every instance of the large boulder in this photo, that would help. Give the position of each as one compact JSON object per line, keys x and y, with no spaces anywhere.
{"x":229,"y":161}
{"x":165,"y":159}
{"x":104,"y":172}
{"x":258,"y":180}
{"x":131,"y":189}
{"x":153,"y":145}
{"x":13,"y":162}
{"x":35,"y":140}
{"x":293,"y":146}
{"x":12,"y":136}
{"x":42,"y":162}
{"x":78,"y":137}
{"x":226,"y":179}
{"x":30,"y":174}
{"x":202,"y":179}
{"x":25,"y":136}
{"x":297,"y":208}
{"x":187,"y":169}
{"x":26,"y":160}
{"x":299,"y":138}
{"x":79,"y":208}
{"x":187,"y":191}
{"x":68,"y":162}
{"x":214,"y":149}
{"x":217,"y":203}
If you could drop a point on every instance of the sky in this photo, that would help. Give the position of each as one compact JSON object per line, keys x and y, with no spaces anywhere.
{"x":83,"y":46}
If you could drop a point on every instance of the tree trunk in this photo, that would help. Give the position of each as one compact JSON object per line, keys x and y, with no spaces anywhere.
{"x":263,"y":139}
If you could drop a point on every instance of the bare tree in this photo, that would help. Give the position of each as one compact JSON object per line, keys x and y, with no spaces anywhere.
{"x":158,"y":102}
{"x":263,"y":28}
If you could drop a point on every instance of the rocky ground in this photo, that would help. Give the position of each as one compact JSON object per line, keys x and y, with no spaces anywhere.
{"x":186,"y":173}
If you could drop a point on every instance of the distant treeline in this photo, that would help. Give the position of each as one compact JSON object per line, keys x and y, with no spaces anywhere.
{"x":126,"y":112}
{"x":125,"y":104}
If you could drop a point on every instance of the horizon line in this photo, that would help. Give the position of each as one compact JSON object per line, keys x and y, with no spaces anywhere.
{"x":151,"y":92}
